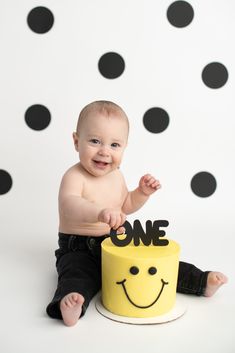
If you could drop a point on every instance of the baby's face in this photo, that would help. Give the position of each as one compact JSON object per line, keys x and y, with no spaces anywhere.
{"x":101,"y":142}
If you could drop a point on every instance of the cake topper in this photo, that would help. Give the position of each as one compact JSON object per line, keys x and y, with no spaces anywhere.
{"x":152,"y":234}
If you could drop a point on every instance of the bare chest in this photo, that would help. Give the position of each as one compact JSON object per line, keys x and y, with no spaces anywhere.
{"x":108,"y":192}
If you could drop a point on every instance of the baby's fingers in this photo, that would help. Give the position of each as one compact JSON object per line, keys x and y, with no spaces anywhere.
{"x":151,"y":181}
{"x":156,"y":185}
{"x":113,"y":221}
{"x":117,"y":221}
{"x":121,"y":230}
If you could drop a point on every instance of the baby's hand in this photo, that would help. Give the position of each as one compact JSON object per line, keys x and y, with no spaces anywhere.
{"x":113,"y":217}
{"x":148,"y":184}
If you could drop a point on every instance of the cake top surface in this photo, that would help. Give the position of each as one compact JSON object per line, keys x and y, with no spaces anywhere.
{"x":141,"y":251}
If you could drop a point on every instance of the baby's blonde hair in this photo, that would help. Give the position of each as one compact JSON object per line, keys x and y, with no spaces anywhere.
{"x":107,"y":108}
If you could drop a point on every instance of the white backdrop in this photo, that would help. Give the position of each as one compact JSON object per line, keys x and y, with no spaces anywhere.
{"x":163,"y":68}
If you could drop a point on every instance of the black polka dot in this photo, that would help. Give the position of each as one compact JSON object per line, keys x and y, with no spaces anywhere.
{"x":180,"y":14}
{"x":111,"y":65}
{"x":40,"y":19}
{"x":156,"y":120}
{"x":37,"y":117}
{"x":134,"y":270}
{"x":203,"y":184}
{"x":215,"y":75}
{"x":5,"y":182}
{"x":152,"y":270}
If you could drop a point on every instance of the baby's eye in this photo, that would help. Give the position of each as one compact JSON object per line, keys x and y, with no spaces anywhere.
{"x":115,"y":145}
{"x":94,"y":141}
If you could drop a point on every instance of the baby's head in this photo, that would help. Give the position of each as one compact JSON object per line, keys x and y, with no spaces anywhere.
{"x":101,"y":137}
{"x":104,"y":108}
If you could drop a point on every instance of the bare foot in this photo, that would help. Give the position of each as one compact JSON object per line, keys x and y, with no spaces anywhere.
{"x":71,"y":308}
{"x":214,"y":281}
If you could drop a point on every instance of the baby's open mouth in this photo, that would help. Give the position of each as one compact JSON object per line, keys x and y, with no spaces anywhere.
{"x":100,"y":163}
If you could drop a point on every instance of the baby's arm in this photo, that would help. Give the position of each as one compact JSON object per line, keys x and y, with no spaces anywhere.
{"x":137,"y":198}
{"x":73,"y":207}
{"x":78,"y":210}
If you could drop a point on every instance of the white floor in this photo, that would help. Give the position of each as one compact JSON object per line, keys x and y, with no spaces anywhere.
{"x":28,"y":279}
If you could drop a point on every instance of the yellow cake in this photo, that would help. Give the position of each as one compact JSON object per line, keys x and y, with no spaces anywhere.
{"x":139,"y":281}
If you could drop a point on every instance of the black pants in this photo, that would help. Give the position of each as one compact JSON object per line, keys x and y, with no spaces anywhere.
{"x":78,"y":263}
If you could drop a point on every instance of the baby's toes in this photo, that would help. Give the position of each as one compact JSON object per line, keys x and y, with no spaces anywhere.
{"x":74,"y":299}
{"x":68,"y":303}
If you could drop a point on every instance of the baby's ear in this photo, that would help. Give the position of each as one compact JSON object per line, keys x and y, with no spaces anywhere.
{"x":75,"y":140}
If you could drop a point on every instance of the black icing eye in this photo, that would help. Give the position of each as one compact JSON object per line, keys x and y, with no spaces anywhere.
{"x":134,"y":270}
{"x":152,"y":270}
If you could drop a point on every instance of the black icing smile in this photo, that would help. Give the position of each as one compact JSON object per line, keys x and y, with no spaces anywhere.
{"x":142,"y":306}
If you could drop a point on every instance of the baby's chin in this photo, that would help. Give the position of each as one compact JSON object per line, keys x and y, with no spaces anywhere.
{"x":101,"y":171}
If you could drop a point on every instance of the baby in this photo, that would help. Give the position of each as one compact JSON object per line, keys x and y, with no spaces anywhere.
{"x":93,"y":199}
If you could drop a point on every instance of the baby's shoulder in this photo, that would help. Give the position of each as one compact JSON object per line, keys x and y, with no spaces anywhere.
{"x":73,"y":177}
{"x":73,"y":172}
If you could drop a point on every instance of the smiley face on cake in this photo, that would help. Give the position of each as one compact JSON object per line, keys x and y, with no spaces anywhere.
{"x":134,"y":270}
{"x":139,"y":281}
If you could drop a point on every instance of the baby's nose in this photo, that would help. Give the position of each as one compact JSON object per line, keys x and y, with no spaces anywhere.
{"x":104,"y":151}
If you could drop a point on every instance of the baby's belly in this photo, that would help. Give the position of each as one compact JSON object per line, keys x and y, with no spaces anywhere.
{"x":94,"y":229}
